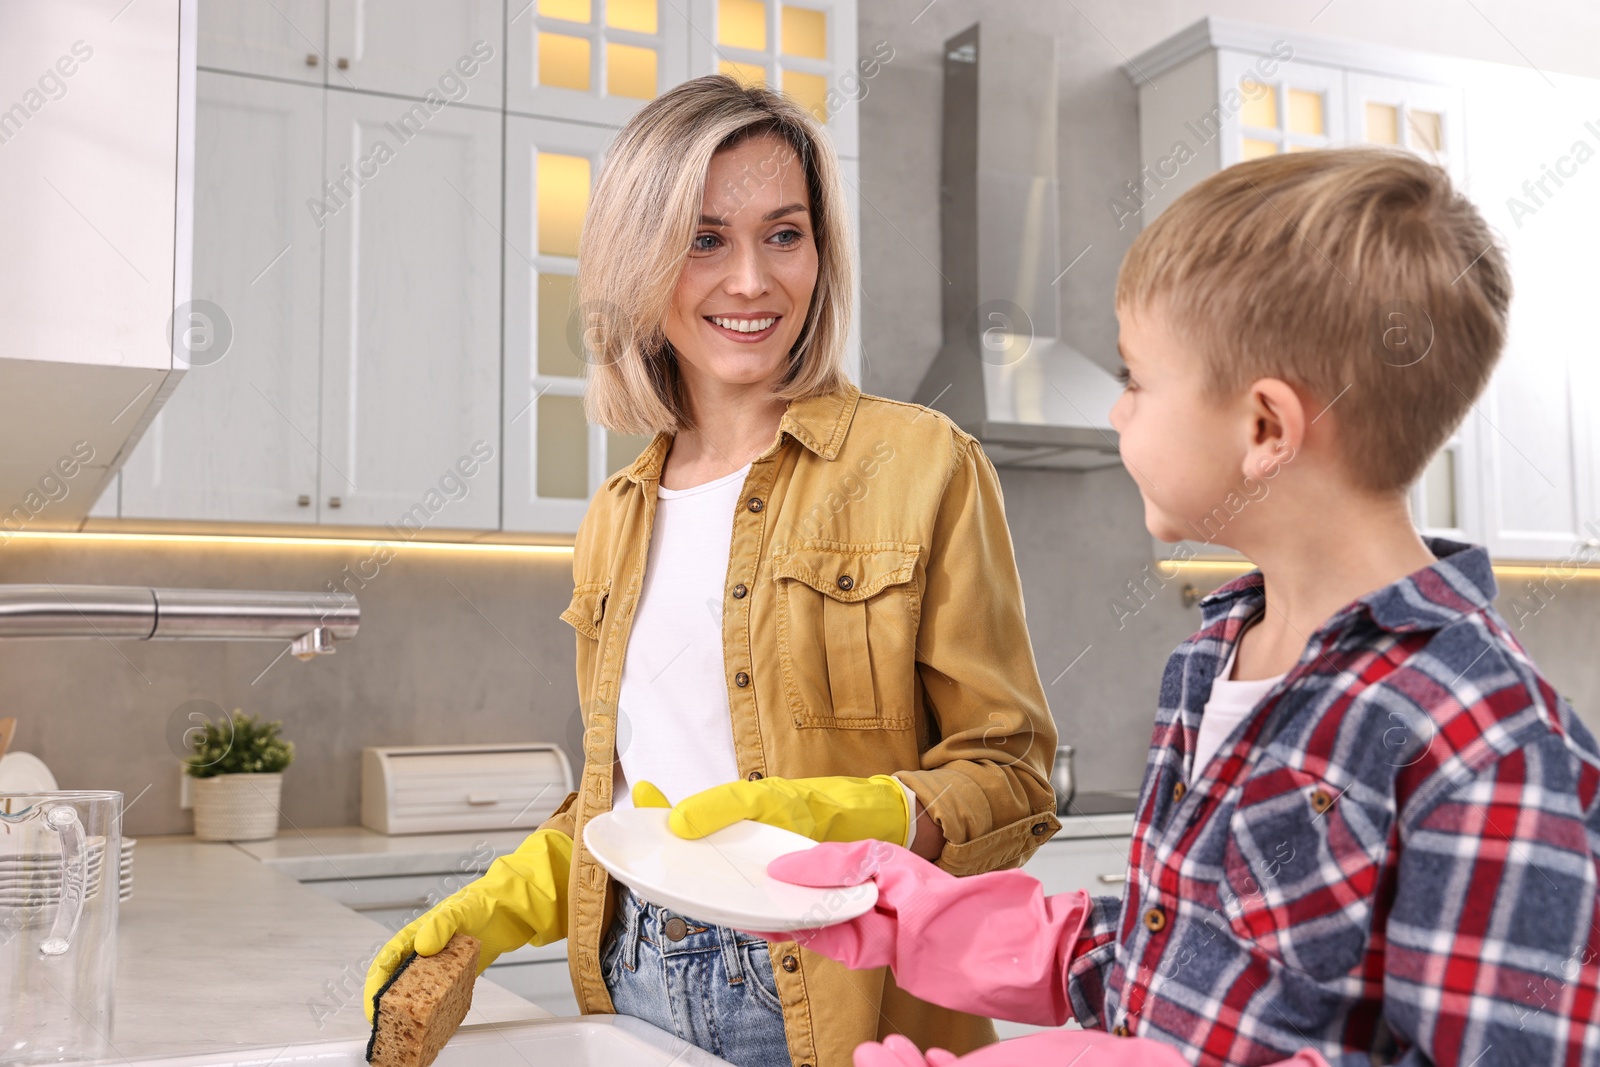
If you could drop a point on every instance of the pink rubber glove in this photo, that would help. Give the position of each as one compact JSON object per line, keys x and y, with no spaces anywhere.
{"x":989,"y":944}
{"x":1079,"y":1048}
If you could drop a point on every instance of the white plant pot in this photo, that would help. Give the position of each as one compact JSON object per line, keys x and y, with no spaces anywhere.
{"x":237,"y":807}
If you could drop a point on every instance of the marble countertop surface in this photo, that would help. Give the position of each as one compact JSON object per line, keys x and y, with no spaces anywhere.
{"x":1077,"y":827}
{"x":355,"y":852}
{"x":218,"y":951}
{"x":339,"y":852}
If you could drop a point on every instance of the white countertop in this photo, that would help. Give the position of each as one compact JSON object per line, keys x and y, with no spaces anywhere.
{"x":222,"y":949}
{"x":1076,"y":827}
{"x":338,"y":852}
{"x":356,"y":852}
{"x":218,"y":951}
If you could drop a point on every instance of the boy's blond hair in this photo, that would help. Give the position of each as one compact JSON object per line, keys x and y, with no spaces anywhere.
{"x":641,"y":221}
{"x":1357,"y":274}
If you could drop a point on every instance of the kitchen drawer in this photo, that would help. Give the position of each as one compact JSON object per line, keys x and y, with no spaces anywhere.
{"x":1098,"y":865}
{"x":395,"y":901}
{"x":546,"y":984}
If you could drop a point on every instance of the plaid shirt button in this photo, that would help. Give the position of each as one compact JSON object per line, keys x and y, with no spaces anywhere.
{"x":1155,"y":920}
{"x":1122,"y":1030}
{"x":1178,"y":789}
{"x":1321,"y":800}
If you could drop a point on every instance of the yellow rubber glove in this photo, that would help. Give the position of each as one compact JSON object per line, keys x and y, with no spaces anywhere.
{"x":823,"y":809}
{"x":521,"y":899}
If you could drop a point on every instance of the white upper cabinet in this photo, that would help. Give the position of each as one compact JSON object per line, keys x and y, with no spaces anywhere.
{"x":276,"y":38}
{"x":1427,"y":119}
{"x":383,"y":267}
{"x":593,"y":60}
{"x":237,"y":440}
{"x":410,"y":337}
{"x":1522,"y":473}
{"x":1528,"y":145}
{"x":417,"y":47}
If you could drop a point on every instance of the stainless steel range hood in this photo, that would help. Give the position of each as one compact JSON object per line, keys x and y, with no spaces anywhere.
{"x":1004,"y":373}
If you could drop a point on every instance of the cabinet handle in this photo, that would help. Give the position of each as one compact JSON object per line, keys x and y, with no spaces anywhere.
{"x":344,"y":64}
{"x":419,"y":903}
{"x":1113,"y":879}
{"x":305,"y":500}
{"x":334,"y":502}
{"x":311,"y":59}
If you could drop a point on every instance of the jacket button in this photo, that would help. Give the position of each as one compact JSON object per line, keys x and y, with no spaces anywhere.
{"x":846,"y":582}
{"x":1178,"y":789}
{"x":1321,"y":801}
{"x":754,"y":504}
{"x":1040,"y":829}
{"x":754,"y":776}
{"x":739,"y":591}
{"x":1155,"y":920}
{"x":791,"y":964}
{"x":1122,"y":1030}
{"x":741,"y":679}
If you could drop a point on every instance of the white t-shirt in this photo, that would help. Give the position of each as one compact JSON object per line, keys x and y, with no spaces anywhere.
{"x":674,"y":725}
{"x":1231,"y":702}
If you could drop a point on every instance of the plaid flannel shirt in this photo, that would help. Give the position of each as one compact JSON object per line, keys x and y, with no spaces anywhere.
{"x":1394,"y":859}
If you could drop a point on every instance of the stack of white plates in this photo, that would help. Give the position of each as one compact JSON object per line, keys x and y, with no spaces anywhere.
{"x":34,"y":878}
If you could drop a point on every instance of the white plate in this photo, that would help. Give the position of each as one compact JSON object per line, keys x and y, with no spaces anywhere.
{"x":721,"y":878}
{"x":23,"y":772}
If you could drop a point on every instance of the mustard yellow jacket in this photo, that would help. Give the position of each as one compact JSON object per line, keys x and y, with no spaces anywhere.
{"x":872,"y":624}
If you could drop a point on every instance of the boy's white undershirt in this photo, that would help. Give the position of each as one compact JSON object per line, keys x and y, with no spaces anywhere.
{"x":674,"y":725}
{"x":1231,"y":702}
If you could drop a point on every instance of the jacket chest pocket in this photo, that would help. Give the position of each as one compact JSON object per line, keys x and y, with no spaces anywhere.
{"x":1302,"y":871}
{"x":847,"y":632}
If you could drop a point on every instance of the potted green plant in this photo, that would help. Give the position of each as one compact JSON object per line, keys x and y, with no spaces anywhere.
{"x":237,"y":769}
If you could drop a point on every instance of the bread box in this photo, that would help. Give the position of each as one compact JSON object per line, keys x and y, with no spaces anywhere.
{"x":421,"y":789}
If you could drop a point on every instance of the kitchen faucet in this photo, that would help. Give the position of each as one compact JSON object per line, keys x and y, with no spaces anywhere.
{"x":311,"y":621}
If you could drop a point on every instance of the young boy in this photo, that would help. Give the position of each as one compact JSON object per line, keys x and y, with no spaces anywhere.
{"x":1369,"y":829}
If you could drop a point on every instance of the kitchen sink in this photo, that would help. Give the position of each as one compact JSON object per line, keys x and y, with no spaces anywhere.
{"x":572,"y":1041}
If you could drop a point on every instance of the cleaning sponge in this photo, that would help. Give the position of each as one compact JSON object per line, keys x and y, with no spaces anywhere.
{"x":422,"y":1003}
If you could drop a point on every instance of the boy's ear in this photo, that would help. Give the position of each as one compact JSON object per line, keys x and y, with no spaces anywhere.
{"x":1278,"y":423}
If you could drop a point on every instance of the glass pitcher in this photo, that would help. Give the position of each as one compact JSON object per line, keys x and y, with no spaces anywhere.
{"x":60,"y":879}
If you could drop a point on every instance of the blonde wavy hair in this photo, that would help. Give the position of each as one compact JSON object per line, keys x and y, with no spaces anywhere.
{"x":641,"y":221}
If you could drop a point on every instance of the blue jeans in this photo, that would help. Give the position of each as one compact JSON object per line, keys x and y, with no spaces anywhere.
{"x":713,"y":986}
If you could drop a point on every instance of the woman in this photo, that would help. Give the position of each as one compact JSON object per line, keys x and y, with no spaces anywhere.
{"x":799,"y":603}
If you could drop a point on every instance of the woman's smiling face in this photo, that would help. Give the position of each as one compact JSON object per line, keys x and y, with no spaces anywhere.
{"x":747,"y":279}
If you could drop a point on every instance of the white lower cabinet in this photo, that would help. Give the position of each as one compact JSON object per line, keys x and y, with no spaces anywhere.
{"x":536,"y":974}
{"x":1097,"y":865}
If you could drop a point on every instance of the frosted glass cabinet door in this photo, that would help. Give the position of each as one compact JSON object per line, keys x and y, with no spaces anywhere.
{"x":807,"y":48}
{"x":411,"y":360}
{"x":593,"y":60}
{"x":414,"y":47}
{"x":1298,"y":107}
{"x":278,"y":38}
{"x":554,"y":460}
{"x":237,"y":439}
